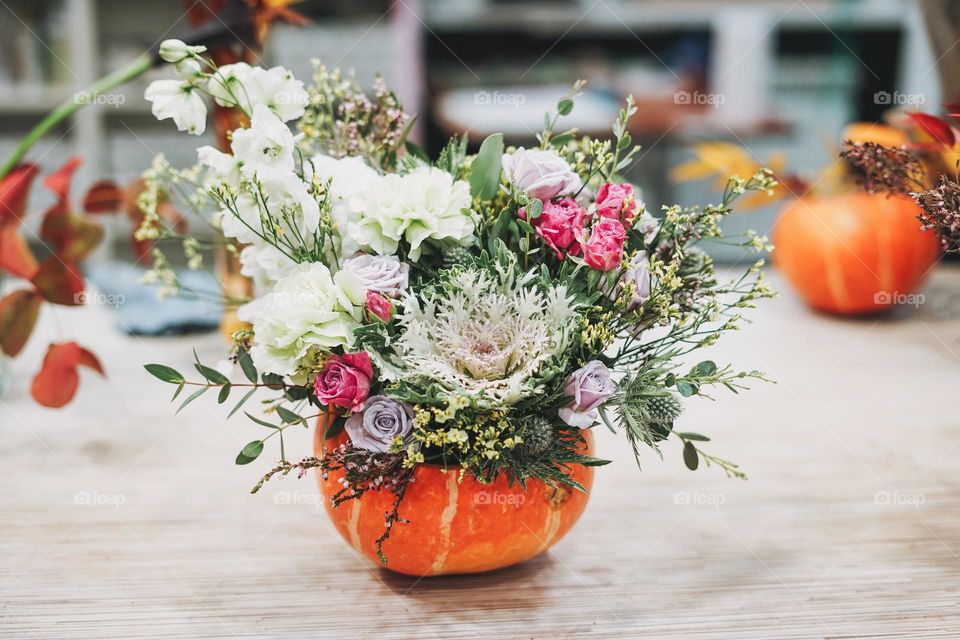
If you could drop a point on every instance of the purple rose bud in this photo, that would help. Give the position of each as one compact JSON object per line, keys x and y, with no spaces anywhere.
{"x":540,"y":173}
{"x":382,"y":274}
{"x":589,"y":386}
{"x":381,"y":420}
{"x":637,"y":274}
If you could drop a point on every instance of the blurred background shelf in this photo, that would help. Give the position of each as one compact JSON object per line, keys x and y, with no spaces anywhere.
{"x":767,"y":74}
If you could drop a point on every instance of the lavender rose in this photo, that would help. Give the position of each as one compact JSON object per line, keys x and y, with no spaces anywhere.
{"x":637,"y":274}
{"x":540,"y":173}
{"x":381,"y":420}
{"x":589,"y":386}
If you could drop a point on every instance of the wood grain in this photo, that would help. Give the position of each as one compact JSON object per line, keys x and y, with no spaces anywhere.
{"x":848,"y":528}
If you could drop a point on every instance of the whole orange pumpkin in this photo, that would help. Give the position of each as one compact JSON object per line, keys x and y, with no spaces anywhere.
{"x":853,"y":253}
{"x":457,"y":525}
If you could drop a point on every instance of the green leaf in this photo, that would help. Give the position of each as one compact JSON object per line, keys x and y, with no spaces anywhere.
{"x":262,"y":423}
{"x":177,"y":392}
{"x":296,"y":393}
{"x":524,"y":225}
{"x":690,"y":435}
{"x":164,"y":373}
{"x":246,"y":365}
{"x":288,"y":416}
{"x":485,"y":170}
{"x":705,"y":368}
{"x":211,"y":375}
{"x":272,"y":380}
{"x":686,"y":389}
{"x":224,"y":393}
{"x":335,"y":429}
{"x":245,"y":397}
{"x":193,"y":396}
{"x":690,"y":457}
{"x":670,"y":380}
{"x":534,"y":209}
{"x":416,"y":151}
{"x":624,"y":142}
{"x":565,"y":106}
{"x":250,"y":452}
{"x":562,"y":139}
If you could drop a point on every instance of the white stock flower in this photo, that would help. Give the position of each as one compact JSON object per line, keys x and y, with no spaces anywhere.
{"x":277,"y":89}
{"x":226,"y":84}
{"x":266,"y":143}
{"x":425,"y":204}
{"x":223,"y":167}
{"x":350,"y":177}
{"x":245,"y":86}
{"x":180,"y":101}
{"x":305,"y":311}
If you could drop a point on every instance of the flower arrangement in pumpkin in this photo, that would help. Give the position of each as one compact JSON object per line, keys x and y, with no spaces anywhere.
{"x":477,"y":311}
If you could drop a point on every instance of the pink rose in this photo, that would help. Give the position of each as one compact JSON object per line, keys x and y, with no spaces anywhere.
{"x":378,"y":305}
{"x":604,"y":249}
{"x":540,"y":173}
{"x":589,"y":387}
{"x":616,"y":201}
{"x":559,"y":225}
{"x":344,"y":380}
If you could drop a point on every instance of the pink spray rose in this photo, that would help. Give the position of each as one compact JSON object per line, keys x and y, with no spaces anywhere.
{"x":378,"y":305}
{"x":616,"y":201}
{"x":344,"y":380}
{"x":540,"y":173}
{"x":604,"y":249}
{"x":559,"y":225}
{"x":589,"y":387}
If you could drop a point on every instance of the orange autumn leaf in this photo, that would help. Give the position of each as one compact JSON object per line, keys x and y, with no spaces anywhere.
{"x":104,"y":196}
{"x":58,"y":379}
{"x":72,"y":237}
{"x":18,"y":315}
{"x":14,"y":189}
{"x":59,"y":281}
{"x":16,"y":258}
{"x":720,"y":160}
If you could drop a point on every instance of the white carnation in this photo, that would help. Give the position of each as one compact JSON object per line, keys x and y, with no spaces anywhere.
{"x":305,"y":311}
{"x":425,"y":204}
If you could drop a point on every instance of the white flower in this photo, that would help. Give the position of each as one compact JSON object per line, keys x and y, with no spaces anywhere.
{"x":243,"y":221}
{"x":266,"y":143}
{"x":425,"y":204}
{"x":174,"y":50}
{"x":382,"y":274}
{"x":241,"y":85}
{"x":540,"y":173}
{"x":223,"y":167}
{"x":226,"y":85}
{"x":265,"y":265}
{"x":350,"y":177}
{"x":189,"y":70}
{"x":485,"y":335}
{"x":291,"y":206}
{"x":305,"y":311}
{"x":180,"y":101}
{"x":277,"y":89}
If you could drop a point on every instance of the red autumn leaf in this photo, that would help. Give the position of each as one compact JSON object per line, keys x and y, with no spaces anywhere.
{"x":58,"y":379}
{"x":59,"y":281}
{"x":103,"y":197}
{"x":72,"y":237}
{"x":18,"y":315}
{"x":936,"y":128}
{"x":59,"y":180}
{"x":14,"y":189}
{"x":15,"y":256}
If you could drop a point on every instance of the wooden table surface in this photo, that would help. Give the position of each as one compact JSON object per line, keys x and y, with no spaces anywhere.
{"x":123,"y":521}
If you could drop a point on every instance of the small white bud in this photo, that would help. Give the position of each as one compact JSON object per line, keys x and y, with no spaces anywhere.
{"x":174,"y":50}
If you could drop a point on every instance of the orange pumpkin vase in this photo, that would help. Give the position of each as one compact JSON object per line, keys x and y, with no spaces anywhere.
{"x":456,"y":525}
{"x":853,"y":253}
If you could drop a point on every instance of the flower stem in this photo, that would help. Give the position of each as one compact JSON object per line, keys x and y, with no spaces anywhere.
{"x":73,"y":104}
